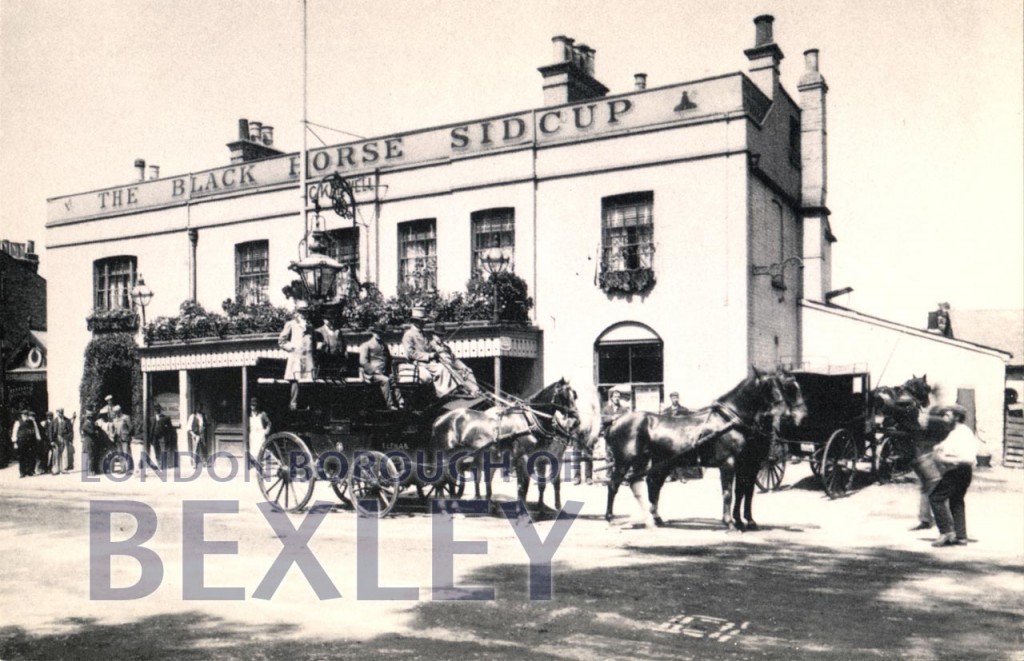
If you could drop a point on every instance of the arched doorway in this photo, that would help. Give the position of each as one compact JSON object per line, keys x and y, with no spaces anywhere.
{"x":629,"y":355}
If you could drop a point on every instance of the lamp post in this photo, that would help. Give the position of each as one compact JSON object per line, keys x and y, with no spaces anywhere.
{"x":318,"y":273}
{"x":141,"y":296}
{"x":494,"y":261}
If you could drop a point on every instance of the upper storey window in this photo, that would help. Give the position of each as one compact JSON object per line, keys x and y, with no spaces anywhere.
{"x":627,"y":242}
{"x":493,"y":228}
{"x":252,"y":271}
{"x":417,"y":254}
{"x":113,"y":280}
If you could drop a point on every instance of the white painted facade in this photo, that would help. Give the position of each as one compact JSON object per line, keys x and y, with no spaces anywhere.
{"x":716,"y":154}
{"x":894,"y":353}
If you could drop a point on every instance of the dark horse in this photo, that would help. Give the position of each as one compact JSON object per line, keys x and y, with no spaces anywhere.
{"x":733,"y":434}
{"x":902,"y":404}
{"x":543,"y":422}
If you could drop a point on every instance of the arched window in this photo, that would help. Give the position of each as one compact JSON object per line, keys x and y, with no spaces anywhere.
{"x":630,"y":355}
{"x":113,"y":279}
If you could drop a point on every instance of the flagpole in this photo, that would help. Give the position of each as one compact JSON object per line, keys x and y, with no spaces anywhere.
{"x":302,"y":161}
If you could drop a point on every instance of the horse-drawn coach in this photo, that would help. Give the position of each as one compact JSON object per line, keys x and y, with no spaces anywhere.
{"x":344,"y":433}
{"x":848,"y":426}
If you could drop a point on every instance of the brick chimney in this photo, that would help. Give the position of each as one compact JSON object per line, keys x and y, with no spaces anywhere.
{"x":570,"y":78}
{"x":764,"y":57}
{"x":254,"y":142}
{"x":818,"y":237}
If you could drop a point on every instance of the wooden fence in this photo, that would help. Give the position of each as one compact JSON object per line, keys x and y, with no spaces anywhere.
{"x":1013,"y":444}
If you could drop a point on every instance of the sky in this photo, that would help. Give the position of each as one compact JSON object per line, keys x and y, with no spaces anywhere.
{"x":925,"y":104}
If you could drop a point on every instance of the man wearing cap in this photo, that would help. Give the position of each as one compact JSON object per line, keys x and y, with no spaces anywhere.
{"x":427,"y":364}
{"x":43,"y":447}
{"x":26,"y":440}
{"x":259,"y":426}
{"x":163,"y":438}
{"x":196,"y":426}
{"x":64,"y":434}
{"x":296,"y":338}
{"x":330,"y":350}
{"x":955,"y":457}
{"x":675,"y":409}
{"x":90,"y":448}
{"x":375,"y":363}
{"x":460,"y":372}
{"x":121,"y":431}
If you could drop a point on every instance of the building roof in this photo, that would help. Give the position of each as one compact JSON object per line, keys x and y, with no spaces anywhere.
{"x":1003,"y":329}
{"x":958,"y":340}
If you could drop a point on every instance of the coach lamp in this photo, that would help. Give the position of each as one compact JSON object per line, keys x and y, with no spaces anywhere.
{"x":494,"y":261}
{"x":318,"y":274}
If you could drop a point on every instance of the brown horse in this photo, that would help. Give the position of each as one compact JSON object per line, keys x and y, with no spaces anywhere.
{"x":733,"y":434}
{"x":542,"y":423}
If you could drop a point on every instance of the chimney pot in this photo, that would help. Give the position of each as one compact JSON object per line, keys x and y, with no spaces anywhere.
{"x":30,"y":247}
{"x":811,"y":59}
{"x":255,"y":128}
{"x":563,"y":48}
{"x":140,"y":167}
{"x":763,"y":29}
{"x":641,"y":80}
{"x":243,"y":129}
{"x":267,"y":135}
{"x":154,"y":172}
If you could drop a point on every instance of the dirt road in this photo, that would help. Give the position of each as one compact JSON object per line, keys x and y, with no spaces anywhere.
{"x":840,"y":579}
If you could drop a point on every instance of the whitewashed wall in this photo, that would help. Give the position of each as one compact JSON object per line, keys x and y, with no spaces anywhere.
{"x":894,"y":353}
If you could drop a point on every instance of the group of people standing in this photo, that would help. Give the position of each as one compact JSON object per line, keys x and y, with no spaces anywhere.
{"x":45,"y":446}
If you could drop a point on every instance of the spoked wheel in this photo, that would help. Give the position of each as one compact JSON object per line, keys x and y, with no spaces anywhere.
{"x":814,"y":459}
{"x":839,"y":463}
{"x":893,"y":457}
{"x":447,"y":488}
{"x":285,"y":472}
{"x":774,"y":467}
{"x":332,"y":470}
{"x":374,"y":488}
{"x":117,"y":463}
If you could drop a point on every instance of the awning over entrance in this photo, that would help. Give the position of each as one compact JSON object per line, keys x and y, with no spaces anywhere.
{"x":467,"y":342}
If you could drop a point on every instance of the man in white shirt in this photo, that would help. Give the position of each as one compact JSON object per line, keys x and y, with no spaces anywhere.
{"x":955,"y":456}
{"x":196,"y":426}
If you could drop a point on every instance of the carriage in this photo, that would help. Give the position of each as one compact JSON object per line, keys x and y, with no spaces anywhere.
{"x":343,"y":432}
{"x":844,"y":430}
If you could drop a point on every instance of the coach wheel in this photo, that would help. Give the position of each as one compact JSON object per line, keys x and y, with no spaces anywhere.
{"x":893,"y":456}
{"x":373,"y":485}
{"x":774,"y":467}
{"x":285,"y":471}
{"x":839,"y":463}
{"x":445,"y":489}
{"x":117,"y":463}
{"x":814,"y":459}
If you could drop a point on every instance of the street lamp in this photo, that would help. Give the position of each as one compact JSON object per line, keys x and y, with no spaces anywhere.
{"x":318,"y":274}
{"x":494,"y":261}
{"x":141,"y":296}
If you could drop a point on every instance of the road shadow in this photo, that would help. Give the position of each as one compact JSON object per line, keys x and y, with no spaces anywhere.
{"x":729,"y":600}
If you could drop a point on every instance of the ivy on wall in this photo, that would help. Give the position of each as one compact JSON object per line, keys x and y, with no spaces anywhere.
{"x":111,"y":360}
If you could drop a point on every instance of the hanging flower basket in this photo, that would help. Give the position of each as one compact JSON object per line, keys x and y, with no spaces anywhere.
{"x":120,"y":320}
{"x":635,"y":281}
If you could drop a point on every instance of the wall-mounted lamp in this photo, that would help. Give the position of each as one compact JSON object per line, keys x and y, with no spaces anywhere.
{"x":776,"y":269}
{"x":777,"y":273}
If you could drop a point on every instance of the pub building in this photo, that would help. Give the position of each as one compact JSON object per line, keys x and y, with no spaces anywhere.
{"x":667,"y":234}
